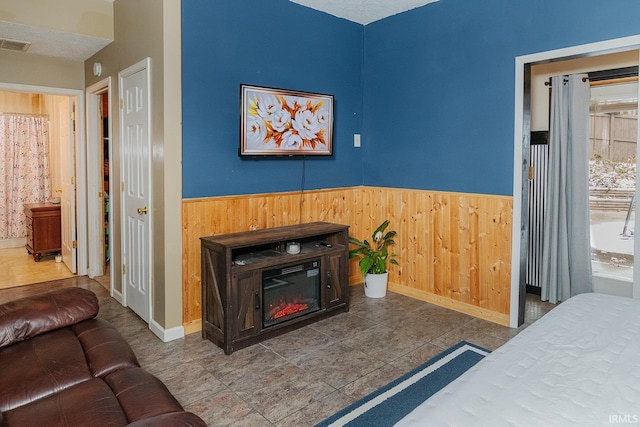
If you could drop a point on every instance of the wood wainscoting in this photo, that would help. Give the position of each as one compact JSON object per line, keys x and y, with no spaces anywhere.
{"x":454,"y":248}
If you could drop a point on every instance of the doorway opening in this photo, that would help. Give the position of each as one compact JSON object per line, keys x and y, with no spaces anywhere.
{"x":612,"y":144}
{"x":523,"y":126}
{"x":100,"y":183}
{"x":106,"y":175}
{"x":60,"y":110}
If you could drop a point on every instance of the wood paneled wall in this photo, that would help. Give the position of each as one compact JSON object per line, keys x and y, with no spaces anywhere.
{"x":454,"y":248}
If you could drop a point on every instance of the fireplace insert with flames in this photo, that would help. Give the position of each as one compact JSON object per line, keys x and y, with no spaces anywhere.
{"x":290,"y":292}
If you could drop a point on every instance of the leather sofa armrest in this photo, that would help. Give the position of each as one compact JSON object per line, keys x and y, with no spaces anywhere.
{"x":27,"y":317}
{"x":146,"y":401}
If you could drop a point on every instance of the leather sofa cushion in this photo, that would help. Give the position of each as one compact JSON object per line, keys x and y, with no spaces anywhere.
{"x":40,"y":366}
{"x":90,"y":403}
{"x":25,"y":318}
{"x":130,"y":397}
{"x":105,"y":349}
{"x":54,"y":361}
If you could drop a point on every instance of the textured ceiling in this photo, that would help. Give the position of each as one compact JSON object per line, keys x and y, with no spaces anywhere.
{"x":48,"y":42}
{"x":363,"y":11}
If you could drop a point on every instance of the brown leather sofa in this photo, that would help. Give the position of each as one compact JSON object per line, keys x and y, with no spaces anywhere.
{"x":62,"y":366}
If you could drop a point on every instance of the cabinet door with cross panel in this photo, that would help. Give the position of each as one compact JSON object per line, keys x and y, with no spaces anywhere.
{"x":245,"y":293}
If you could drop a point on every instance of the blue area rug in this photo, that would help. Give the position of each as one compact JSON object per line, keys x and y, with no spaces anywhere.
{"x":390,"y":404}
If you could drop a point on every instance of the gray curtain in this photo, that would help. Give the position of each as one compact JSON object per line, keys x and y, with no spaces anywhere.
{"x":566,"y":267}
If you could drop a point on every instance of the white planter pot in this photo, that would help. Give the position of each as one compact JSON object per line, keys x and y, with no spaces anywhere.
{"x":375,"y":285}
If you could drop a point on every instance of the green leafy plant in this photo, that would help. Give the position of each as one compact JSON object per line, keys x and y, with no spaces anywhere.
{"x":374,"y":256}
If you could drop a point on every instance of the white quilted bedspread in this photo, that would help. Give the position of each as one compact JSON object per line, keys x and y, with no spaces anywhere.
{"x":579,"y":365}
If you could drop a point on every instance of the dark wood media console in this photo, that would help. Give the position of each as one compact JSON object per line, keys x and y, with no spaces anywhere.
{"x":235,"y":265}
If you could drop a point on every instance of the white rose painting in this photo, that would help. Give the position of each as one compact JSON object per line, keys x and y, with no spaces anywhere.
{"x":280,"y":122}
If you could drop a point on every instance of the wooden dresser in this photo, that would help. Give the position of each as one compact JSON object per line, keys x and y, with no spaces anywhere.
{"x":44,"y":228}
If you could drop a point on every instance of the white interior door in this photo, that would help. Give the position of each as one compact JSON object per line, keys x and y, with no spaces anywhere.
{"x":67,"y":177}
{"x":95,"y":175}
{"x":136,"y":200}
{"x":95,"y":179}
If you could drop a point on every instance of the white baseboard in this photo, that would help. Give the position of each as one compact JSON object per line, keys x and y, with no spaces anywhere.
{"x":13,"y":243}
{"x":166,"y":335}
{"x":117,"y":295}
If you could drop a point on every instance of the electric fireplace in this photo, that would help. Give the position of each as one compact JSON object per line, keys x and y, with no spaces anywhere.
{"x":259,"y":284}
{"x":290,"y":292}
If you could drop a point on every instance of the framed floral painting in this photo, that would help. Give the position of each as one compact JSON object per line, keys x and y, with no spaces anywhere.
{"x":285,"y":123}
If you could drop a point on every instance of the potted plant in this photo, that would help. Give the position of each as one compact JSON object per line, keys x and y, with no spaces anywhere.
{"x":374,"y":258}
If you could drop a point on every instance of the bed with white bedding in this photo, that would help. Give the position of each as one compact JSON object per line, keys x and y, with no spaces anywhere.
{"x":579,"y":365}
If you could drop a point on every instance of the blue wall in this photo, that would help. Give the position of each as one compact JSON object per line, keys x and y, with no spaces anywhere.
{"x":439,"y":85}
{"x":431,"y":90}
{"x":272,"y":43}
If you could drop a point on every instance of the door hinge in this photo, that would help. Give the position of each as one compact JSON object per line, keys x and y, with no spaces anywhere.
{"x":74,"y":244}
{"x":73,"y":180}
{"x":121,"y":103}
{"x":531,"y":172}
{"x":72,"y":116}
{"x":122,"y":186}
{"x":100,"y":194}
{"x":124,"y":269}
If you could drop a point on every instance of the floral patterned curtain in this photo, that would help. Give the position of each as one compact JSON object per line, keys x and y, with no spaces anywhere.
{"x":24,"y":169}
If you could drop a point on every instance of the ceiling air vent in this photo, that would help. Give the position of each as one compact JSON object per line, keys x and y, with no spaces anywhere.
{"x":14,"y":45}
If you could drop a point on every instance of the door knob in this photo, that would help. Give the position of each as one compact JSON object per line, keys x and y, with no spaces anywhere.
{"x":143,"y":211}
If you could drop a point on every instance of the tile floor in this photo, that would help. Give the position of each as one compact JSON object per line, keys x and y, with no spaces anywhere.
{"x":302,"y":377}
{"x":19,"y":268}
